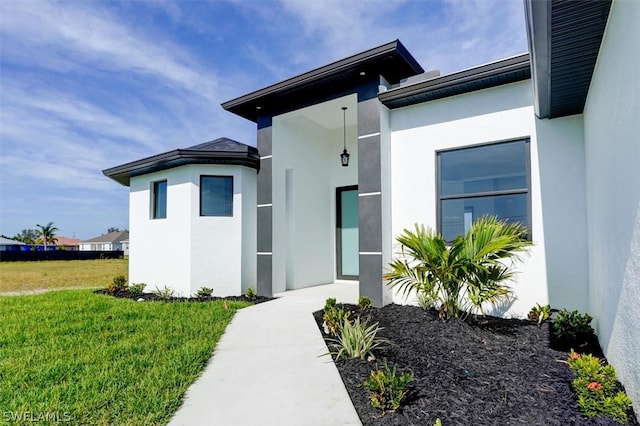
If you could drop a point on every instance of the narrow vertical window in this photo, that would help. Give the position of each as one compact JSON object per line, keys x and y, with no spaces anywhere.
{"x":159,"y":200}
{"x":216,"y":195}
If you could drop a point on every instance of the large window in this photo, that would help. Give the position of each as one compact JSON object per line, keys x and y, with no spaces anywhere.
{"x":159,"y":200}
{"x":483,"y":180}
{"x":216,"y":195}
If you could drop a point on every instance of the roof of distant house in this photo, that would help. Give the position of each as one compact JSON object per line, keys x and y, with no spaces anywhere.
{"x":9,"y":242}
{"x":111,"y":237}
{"x":218,"y":151}
{"x":66,"y":241}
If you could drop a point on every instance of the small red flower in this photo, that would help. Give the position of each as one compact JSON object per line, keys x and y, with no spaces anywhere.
{"x":574,"y":355}
{"x":594,"y":386}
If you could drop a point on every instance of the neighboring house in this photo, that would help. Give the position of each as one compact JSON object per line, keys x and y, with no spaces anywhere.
{"x":66,"y":243}
{"x":548,"y":139}
{"x":7,"y":244}
{"x":108,"y":242}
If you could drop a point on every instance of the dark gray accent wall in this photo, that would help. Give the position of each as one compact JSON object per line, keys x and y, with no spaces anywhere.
{"x":369,"y":200}
{"x":370,"y":229}
{"x":369,"y":164}
{"x":265,"y":219}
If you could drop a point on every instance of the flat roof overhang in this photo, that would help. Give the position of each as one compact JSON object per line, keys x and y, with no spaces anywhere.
{"x":505,"y":71}
{"x":391,"y":61}
{"x":220,"y":151}
{"x":564,"y":41}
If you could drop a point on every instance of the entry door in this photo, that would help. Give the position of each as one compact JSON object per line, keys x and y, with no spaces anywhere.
{"x":347,"y":244}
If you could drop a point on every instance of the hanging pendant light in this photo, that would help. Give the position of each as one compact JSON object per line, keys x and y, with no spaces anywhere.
{"x":344,"y":157}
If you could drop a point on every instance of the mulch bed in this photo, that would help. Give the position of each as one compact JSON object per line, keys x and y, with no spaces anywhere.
{"x":489,"y":371}
{"x":153,"y":297}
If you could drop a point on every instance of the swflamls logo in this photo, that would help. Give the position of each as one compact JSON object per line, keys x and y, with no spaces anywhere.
{"x":36,"y":416}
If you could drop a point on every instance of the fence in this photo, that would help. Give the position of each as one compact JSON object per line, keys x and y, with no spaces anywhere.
{"x":18,"y":256}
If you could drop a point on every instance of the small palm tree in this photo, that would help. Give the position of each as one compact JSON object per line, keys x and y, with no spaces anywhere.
{"x":461,"y":276}
{"x":47,"y":234}
{"x":27,"y":236}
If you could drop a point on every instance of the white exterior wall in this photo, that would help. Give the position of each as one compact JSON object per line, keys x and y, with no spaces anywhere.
{"x":304,"y":205}
{"x":185,"y":251}
{"x":500,"y":114}
{"x":612,"y":126}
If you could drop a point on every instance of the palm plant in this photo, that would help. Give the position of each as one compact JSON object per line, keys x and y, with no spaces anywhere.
{"x":461,"y":276}
{"x":27,"y":236}
{"x":47,"y":234}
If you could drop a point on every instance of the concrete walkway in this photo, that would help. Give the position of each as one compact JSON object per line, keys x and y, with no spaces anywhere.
{"x":265,"y":369}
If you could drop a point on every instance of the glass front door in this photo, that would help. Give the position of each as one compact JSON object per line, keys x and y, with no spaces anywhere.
{"x":347,"y":243}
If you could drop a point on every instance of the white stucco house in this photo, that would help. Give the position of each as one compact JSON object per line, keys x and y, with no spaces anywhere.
{"x":548,"y":138}
{"x":111,"y":241}
{"x":192,"y":219}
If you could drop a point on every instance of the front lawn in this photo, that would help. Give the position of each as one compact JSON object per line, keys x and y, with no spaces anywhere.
{"x":95,"y":359}
{"x":52,"y":274}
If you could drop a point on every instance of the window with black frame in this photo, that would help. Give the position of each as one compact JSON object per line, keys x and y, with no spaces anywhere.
{"x":491,"y":179}
{"x":216,"y":195}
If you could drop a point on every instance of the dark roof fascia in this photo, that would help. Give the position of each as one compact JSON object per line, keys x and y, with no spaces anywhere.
{"x":505,"y":71}
{"x":245,"y":106}
{"x":538,"y":22}
{"x":180,"y":157}
{"x":564,"y":40}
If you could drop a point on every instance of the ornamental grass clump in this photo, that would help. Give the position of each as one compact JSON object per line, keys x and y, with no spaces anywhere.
{"x":387,"y":387}
{"x":462,"y":276}
{"x":356,"y":339}
{"x":596,"y":388}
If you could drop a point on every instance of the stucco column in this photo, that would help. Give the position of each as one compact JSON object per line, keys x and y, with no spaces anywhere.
{"x":265,"y":208}
{"x":370,"y":200}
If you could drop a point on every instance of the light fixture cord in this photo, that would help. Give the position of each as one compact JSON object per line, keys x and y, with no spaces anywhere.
{"x":344,"y":126}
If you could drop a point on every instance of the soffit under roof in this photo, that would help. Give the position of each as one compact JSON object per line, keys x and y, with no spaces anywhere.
{"x":496,"y":73}
{"x":564,"y":41}
{"x":218,"y":151}
{"x":391,"y":61}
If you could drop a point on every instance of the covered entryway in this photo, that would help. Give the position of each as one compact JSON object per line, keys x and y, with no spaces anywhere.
{"x":306,"y":176}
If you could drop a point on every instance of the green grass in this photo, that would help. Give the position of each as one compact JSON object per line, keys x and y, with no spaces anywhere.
{"x":99,"y":360}
{"x":52,"y":274}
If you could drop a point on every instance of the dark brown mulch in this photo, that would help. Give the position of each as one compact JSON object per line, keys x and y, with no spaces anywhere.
{"x":491,"y":371}
{"x":153,"y":297}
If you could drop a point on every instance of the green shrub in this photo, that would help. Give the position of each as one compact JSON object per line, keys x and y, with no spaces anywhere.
{"x":204,"y":293}
{"x":463,"y":275}
{"x":137,"y":288}
{"x":330,"y":303}
{"x":119,"y":283}
{"x":571,"y":325}
{"x":250,"y":294}
{"x":364,"y":302}
{"x":334,"y":316}
{"x":164,"y":293}
{"x":357,"y":339}
{"x":539,"y":313}
{"x":387,"y":388}
{"x":438,"y":422}
{"x":596,"y":388}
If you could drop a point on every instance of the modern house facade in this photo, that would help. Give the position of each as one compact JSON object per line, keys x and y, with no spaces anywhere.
{"x":548,"y":139}
{"x":192,"y":218}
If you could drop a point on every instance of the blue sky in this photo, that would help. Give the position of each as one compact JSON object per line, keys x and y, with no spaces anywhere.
{"x":89,"y":85}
